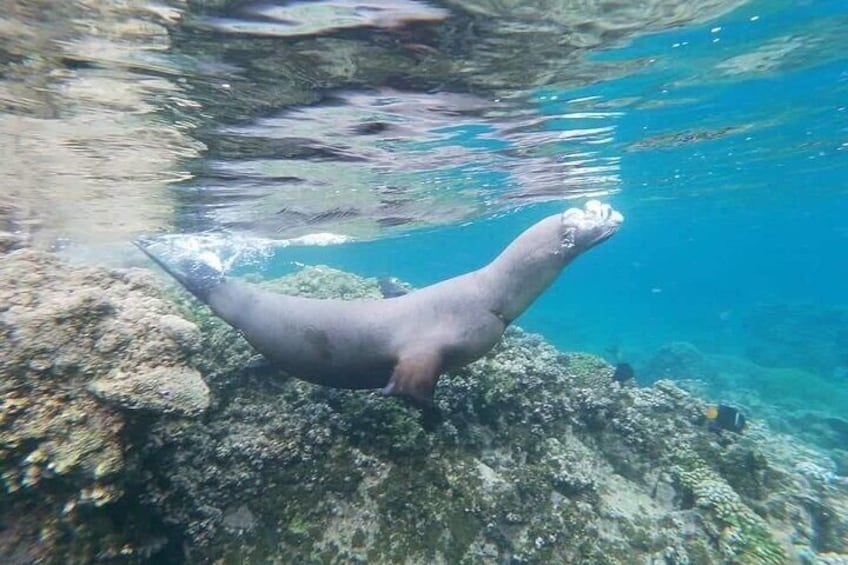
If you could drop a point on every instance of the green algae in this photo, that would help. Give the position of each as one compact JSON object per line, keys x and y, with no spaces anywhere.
{"x":744,"y":536}
{"x":65,"y":464}
{"x":539,"y":457}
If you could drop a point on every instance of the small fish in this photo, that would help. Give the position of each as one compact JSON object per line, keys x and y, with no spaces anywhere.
{"x":724,"y":417}
{"x":623,"y":373}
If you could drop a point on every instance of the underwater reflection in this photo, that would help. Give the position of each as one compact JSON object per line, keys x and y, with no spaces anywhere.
{"x":370,"y":160}
{"x":86,"y":154}
{"x":272,"y":118}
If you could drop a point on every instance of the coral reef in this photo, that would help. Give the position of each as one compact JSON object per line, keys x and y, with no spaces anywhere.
{"x":535,"y":456}
{"x":64,"y":458}
{"x":791,"y":400}
{"x":538,"y":457}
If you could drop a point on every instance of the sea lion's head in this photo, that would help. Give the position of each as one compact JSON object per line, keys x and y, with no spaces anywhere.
{"x":583,"y":228}
{"x":534,"y":259}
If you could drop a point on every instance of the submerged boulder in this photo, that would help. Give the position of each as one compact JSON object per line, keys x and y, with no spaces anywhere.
{"x":537,"y":456}
{"x":808,"y":337}
{"x":165,"y":390}
{"x":65,"y":458}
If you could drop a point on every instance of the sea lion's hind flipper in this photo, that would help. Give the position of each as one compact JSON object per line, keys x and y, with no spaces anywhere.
{"x":198,"y":277}
{"x":414,"y":378}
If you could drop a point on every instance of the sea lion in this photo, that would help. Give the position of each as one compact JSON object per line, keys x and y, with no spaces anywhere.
{"x":404,"y":343}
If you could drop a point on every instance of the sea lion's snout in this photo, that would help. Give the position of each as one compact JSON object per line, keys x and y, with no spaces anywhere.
{"x":585,"y":227}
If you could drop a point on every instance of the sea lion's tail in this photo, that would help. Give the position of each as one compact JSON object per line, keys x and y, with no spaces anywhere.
{"x":197,"y":276}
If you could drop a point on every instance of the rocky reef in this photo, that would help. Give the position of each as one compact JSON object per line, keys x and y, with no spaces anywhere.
{"x":535,"y":456}
{"x":802,"y":402}
{"x":85,"y":356}
{"x":539,"y":456}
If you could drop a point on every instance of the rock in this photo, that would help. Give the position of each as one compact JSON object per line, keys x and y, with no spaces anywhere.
{"x":538,"y":457}
{"x":239,"y":519}
{"x":183,"y":332}
{"x":808,"y":337}
{"x":63,"y":462}
{"x":678,"y":361}
{"x":13,"y":233}
{"x":9,"y":241}
{"x":161,"y":390}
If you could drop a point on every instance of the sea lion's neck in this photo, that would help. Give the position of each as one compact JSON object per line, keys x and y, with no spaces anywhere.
{"x":528,"y":265}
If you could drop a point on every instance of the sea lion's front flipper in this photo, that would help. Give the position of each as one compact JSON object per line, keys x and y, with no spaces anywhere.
{"x":415,"y":378}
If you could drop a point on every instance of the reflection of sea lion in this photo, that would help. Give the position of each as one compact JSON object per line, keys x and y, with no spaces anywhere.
{"x":404,"y":343}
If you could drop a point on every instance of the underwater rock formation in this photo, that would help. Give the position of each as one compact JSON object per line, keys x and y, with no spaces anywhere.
{"x":806,"y":404}
{"x":537,"y":455}
{"x":64,"y":458}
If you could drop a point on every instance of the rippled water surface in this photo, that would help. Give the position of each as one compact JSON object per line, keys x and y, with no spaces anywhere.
{"x":434,"y":131}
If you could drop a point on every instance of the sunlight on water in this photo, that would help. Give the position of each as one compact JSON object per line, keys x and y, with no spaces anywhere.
{"x":366,"y":162}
